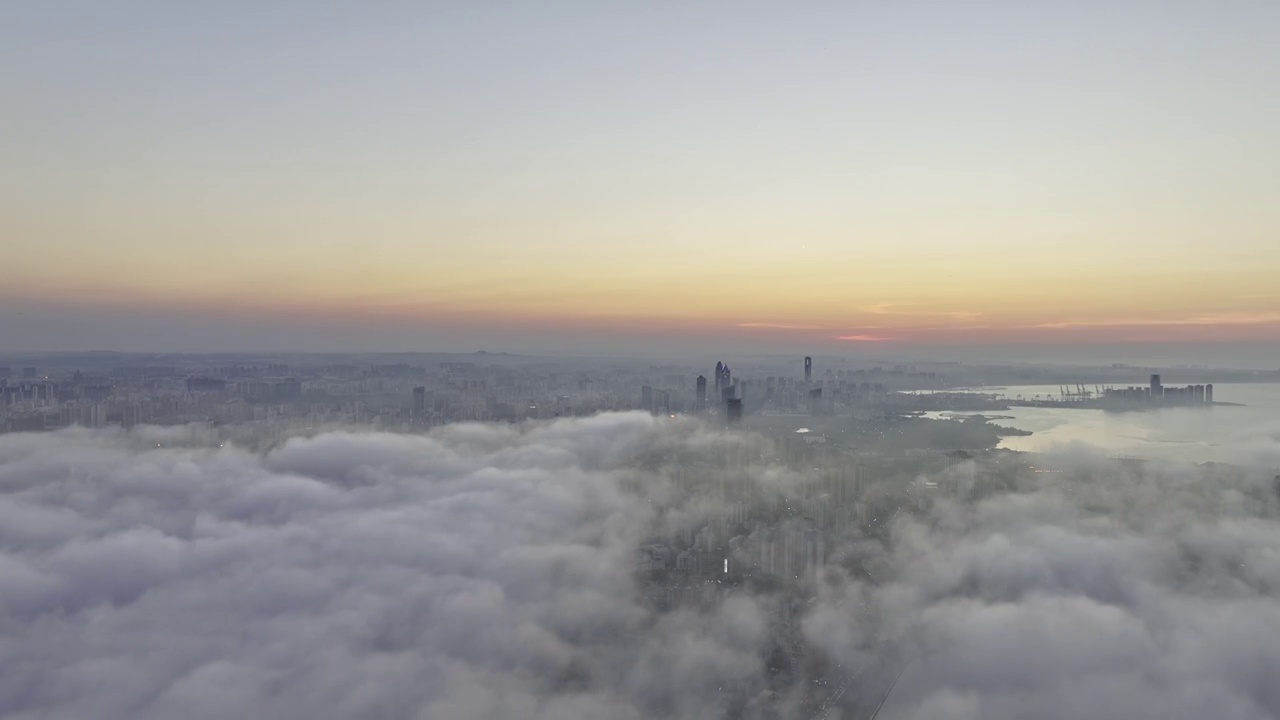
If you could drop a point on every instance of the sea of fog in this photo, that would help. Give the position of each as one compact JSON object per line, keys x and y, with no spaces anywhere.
{"x":1218,"y":433}
{"x":490,"y":571}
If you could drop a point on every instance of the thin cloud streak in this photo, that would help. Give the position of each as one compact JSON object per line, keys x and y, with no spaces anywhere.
{"x":863,"y":338}
{"x":777,"y":326}
{"x":1228,"y":318}
{"x":895,"y":309}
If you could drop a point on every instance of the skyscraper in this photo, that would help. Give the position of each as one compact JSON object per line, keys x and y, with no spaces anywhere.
{"x":419,"y":406}
{"x":646,"y":397}
{"x":1157,"y":390}
{"x":808,"y":369}
{"x":815,"y":401}
{"x":814,"y":550}
{"x":662,"y":401}
{"x":723,"y":378}
{"x":733,"y":411}
{"x":700,"y":403}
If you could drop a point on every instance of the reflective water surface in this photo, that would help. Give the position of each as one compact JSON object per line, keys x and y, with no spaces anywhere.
{"x":1183,"y":433}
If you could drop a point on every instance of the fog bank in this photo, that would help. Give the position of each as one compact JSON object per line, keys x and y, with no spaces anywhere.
{"x":489,"y":572}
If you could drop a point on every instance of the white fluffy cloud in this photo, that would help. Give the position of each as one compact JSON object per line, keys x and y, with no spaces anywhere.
{"x":1097,"y":594}
{"x":486,"y":572}
{"x":479,"y":572}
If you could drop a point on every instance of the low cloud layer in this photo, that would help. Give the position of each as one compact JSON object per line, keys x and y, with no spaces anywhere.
{"x":484,"y":571}
{"x":1104,"y":591}
{"x":487,"y":572}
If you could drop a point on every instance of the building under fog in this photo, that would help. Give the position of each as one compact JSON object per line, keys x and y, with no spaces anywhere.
{"x":733,"y":410}
{"x":795,"y":550}
{"x":1156,"y":393}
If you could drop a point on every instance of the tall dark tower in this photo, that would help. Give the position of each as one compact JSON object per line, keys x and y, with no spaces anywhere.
{"x":815,"y":401}
{"x":808,"y":369}
{"x":419,"y":405}
{"x":700,"y":404}
{"x":733,"y":411}
{"x":719,"y":377}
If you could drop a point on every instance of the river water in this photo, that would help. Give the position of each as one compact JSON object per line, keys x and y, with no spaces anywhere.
{"x":1248,"y":433}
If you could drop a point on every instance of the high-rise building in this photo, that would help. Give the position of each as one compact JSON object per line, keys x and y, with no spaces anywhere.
{"x":733,"y":411}
{"x":861,"y":479}
{"x":814,"y":551}
{"x":808,"y":369}
{"x":419,"y":416}
{"x":646,"y":397}
{"x":815,"y":401}
{"x":768,"y":551}
{"x":1208,"y":393}
{"x":724,"y":378}
{"x":28,"y":373}
{"x":700,"y":402}
{"x":1157,"y":390}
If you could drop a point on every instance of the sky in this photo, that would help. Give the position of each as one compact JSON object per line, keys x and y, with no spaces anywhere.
{"x":594,"y":176}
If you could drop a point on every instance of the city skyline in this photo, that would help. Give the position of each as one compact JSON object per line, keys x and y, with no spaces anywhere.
{"x":849,"y":180}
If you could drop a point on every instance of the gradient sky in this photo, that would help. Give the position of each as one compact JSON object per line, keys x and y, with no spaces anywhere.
{"x":595,"y":175}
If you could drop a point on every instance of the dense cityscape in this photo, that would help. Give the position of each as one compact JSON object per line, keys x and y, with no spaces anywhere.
{"x":835,"y":456}
{"x":420,"y":391}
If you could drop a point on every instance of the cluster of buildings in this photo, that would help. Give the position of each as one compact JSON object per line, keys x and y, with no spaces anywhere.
{"x":844,"y":392}
{"x":127,"y":396}
{"x":1157,"y":394}
{"x":422,"y":391}
{"x":779,"y":513}
{"x":320,"y":391}
{"x":757,"y":531}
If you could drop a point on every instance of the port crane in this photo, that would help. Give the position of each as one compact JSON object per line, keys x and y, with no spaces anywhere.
{"x":1076,"y":393}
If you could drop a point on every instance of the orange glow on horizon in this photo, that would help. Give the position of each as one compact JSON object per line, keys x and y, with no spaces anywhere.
{"x":872,"y":323}
{"x":958,"y":188}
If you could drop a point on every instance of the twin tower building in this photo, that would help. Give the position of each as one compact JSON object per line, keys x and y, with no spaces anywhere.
{"x":729,"y":392}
